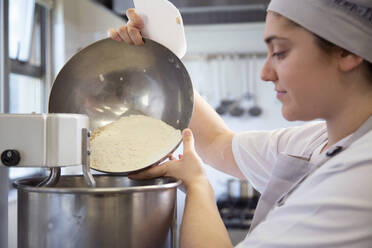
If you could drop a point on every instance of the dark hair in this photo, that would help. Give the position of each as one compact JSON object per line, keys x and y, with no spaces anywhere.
{"x":329,"y":47}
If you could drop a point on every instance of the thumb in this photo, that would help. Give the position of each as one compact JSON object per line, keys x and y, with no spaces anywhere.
{"x":188,"y":141}
{"x":135,"y":18}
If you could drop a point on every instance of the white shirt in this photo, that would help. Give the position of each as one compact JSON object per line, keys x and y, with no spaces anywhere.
{"x":331,"y":208}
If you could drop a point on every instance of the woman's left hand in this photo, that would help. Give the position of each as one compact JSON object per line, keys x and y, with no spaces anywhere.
{"x":188,"y":168}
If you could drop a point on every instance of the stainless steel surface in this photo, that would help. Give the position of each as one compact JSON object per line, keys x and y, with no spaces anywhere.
{"x":4,"y":108}
{"x":52,"y":179}
{"x":208,"y":11}
{"x":244,"y":189}
{"x":4,"y":187}
{"x":86,"y":158}
{"x":119,"y":212}
{"x":108,"y":80}
{"x":4,"y":56}
{"x":212,"y":3}
{"x":208,"y":5}
{"x":174,"y":229}
{"x":47,"y":15}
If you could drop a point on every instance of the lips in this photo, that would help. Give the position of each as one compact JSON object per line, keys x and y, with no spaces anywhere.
{"x":280,"y":93}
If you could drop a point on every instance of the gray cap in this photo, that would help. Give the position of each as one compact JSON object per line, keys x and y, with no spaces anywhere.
{"x":347,"y":24}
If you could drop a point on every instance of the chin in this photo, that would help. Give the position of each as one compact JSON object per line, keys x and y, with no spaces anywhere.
{"x":296,"y":115}
{"x":290,"y":118}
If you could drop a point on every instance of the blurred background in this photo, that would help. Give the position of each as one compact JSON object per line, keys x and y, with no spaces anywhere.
{"x":225,"y":55}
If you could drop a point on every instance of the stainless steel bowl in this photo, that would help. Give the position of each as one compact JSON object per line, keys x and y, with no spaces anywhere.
{"x":109,"y":79}
{"x":119,"y":212}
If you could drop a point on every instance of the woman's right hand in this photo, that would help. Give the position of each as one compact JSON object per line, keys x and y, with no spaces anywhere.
{"x":188,"y":168}
{"x":130,"y":33}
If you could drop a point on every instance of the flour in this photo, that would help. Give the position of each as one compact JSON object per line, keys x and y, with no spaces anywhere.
{"x":132,"y":143}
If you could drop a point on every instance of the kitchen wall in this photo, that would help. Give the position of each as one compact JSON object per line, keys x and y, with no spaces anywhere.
{"x":78,"y":24}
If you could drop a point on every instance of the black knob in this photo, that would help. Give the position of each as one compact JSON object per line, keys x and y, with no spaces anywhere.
{"x":10,"y":157}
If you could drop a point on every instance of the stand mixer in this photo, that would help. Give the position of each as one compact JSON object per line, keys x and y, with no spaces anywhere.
{"x":48,"y":141}
{"x":100,"y":84}
{"x":93,"y":214}
{"x":91,"y":91}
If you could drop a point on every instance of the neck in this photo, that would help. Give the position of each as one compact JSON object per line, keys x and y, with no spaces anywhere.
{"x":349,"y":119}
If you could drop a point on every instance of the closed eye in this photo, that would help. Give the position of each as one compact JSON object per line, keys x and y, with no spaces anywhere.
{"x":279,"y":55}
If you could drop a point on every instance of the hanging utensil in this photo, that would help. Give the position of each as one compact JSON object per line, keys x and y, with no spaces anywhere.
{"x":237,"y":110}
{"x":225,"y":102}
{"x":255,"y":110}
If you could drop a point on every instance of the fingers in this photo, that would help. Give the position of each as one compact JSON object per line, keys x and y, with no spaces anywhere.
{"x":130,"y":33}
{"x":113,"y":34}
{"x":188,"y":141}
{"x":135,"y":35}
{"x":134,"y":19}
{"x":153,"y":172}
{"x":124,"y":35}
{"x":134,"y":26}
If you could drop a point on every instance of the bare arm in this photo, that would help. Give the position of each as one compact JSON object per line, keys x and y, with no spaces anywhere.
{"x":213,"y":139}
{"x":202,"y":225}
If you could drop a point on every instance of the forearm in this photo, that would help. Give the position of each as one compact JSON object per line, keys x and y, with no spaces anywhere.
{"x":206,"y":124}
{"x":213,"y":139}
{"x":202,"y":225}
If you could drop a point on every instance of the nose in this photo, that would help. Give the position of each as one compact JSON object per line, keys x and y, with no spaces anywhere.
{"x":268,"y":73}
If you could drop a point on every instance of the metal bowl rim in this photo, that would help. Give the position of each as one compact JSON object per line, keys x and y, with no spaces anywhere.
{"x":20,"y":185}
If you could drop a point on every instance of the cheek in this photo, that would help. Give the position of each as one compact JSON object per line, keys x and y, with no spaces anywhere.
{"x":303,"y":75}
{"x":295,"y":66}
{"x":308,"y":99}
{"x":307,"y":91}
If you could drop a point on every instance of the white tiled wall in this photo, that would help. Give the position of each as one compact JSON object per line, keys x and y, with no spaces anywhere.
{"x":12,"y":221}
{"x":78,"y":24}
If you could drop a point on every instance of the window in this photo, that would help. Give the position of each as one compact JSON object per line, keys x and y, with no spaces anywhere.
{"x":21,"y":21}
{"x":28,"y":51}
{"x":26,"y":82}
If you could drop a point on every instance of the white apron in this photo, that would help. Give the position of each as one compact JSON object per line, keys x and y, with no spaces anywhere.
{"x":290,"y":171}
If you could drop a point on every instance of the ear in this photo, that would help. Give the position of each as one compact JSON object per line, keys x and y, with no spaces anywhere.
{"x":349,"y":61}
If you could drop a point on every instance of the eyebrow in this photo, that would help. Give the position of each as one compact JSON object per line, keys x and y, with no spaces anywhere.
{"x":269,"y":39}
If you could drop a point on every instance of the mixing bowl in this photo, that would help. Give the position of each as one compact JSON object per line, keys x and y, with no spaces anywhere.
{"x":119,"y":212}
{"x":109,"y":79}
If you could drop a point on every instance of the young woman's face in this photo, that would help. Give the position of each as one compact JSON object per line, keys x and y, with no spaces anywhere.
{"x":304,"y":76}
